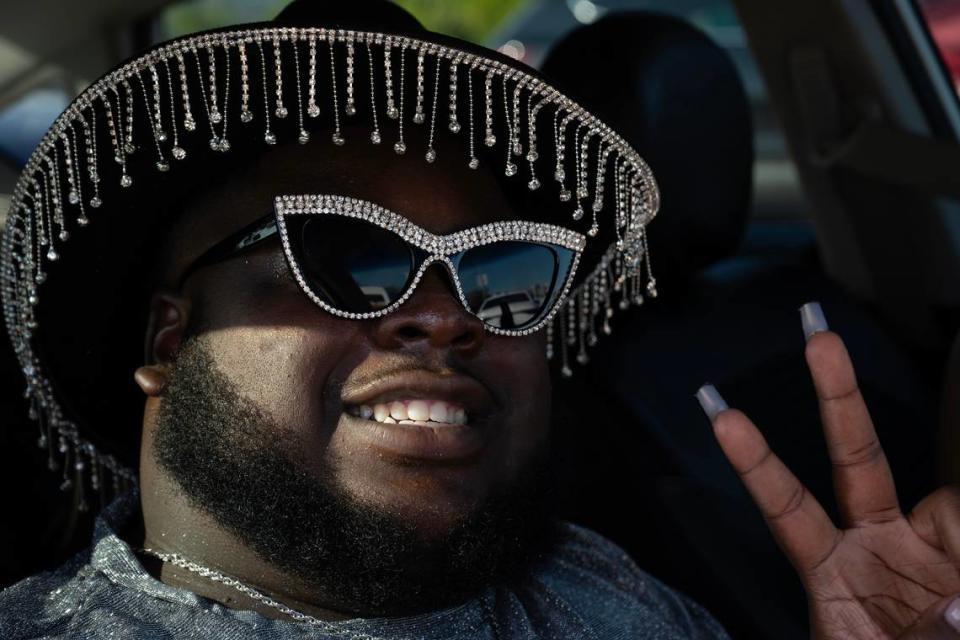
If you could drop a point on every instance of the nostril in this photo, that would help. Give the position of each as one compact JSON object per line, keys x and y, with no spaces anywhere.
{"x":411,"y":332}
{"x":465,"y":338}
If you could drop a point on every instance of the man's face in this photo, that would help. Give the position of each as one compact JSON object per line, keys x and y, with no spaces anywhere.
{"x":291,"y":385}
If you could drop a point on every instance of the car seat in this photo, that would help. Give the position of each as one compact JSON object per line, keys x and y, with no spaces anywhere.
{"x":645,"y":467}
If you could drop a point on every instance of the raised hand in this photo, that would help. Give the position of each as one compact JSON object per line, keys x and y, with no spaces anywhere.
{"x":881,"y":574}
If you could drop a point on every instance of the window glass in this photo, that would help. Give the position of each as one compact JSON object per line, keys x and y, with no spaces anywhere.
{"x":943,"y":20}
{"x":531,"y":31}
{"x":475,"y":20}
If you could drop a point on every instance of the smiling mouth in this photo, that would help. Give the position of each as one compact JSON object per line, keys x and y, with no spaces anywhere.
{"x":421,"y":412}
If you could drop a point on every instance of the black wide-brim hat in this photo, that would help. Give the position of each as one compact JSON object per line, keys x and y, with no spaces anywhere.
{"x":93,"y":203}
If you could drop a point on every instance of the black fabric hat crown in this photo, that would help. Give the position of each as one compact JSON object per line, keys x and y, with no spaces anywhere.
{"x":92,"y":205}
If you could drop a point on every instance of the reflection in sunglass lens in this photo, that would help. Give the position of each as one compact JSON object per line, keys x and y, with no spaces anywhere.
{"x":354,"y":265}
{"x":508,"y":284}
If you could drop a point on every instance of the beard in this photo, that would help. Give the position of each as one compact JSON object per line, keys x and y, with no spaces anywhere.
{"x":232,"y":462}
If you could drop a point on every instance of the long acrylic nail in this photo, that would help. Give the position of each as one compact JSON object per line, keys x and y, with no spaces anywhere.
{"x":811,"y":314}
{"x":952,"y":614}
{"x":711,"y":401}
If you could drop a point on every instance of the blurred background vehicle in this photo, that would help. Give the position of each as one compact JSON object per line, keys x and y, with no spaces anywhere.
{"x":805,"y":151}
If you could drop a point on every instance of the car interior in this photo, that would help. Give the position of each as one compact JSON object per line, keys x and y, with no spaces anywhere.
{"x":805,"y":152}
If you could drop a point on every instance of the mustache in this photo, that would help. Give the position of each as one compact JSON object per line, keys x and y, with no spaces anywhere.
{"x":365,"y":375}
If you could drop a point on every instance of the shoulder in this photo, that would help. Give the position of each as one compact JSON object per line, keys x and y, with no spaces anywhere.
{"x":43,"y":605}
{"x":603,"y":584}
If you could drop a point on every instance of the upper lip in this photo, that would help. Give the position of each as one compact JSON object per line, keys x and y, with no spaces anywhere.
{"x":453,"y":388}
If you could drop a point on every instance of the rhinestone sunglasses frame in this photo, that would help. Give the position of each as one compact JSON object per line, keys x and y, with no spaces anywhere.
{"x":440,"y":248}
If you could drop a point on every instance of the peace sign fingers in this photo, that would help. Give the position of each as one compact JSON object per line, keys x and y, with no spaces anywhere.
{"x":799,"y":524}
{"x":862,"y":479}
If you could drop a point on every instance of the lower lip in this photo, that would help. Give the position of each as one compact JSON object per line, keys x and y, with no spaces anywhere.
{"x":421,"y":441}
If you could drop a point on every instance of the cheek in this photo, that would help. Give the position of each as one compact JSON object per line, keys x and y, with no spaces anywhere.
{"x":279,"y":350}
{"x":288,"y":372}
{"x":521,"y":374}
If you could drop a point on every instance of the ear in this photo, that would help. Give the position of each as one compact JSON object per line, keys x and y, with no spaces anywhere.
{"x":166,"y":325}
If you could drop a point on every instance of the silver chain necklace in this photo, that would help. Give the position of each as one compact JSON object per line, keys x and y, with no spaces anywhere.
{"x":216,"y":576}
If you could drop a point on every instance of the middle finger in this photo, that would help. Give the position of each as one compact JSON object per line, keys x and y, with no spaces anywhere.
{"x":862,"y":479}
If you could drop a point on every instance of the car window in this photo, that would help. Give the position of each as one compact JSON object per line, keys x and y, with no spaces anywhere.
{"x":475,"y":20}
{"x":526,"y":30}
{"x":943,"y":21}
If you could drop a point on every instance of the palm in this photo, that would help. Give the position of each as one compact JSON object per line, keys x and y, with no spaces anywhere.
{"x":874,"y":577}
{"x":877,"y":581}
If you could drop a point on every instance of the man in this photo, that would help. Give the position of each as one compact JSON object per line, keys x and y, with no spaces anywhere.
{"x":346,"y":427}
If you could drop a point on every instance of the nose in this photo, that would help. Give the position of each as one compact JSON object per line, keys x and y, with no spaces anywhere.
{"x":431,"y":317}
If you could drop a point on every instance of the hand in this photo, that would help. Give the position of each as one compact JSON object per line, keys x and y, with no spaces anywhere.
{"x":882,"y":574}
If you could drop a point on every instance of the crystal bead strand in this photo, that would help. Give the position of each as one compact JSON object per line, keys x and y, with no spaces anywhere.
{"x":400,"y":146}
{"x":312,"y":109}
{"x":303,"y":137}
{"x":351,"y":107}
{"x":93,"y":169}
{"x":431,"y":155}
{"x":515,"y":147}
{"x":268,"y":136}
{"x":567,"y":327}
{"x":161,"y":164}
{"x":651,"y":281}
{"x":375,"y":136}
{"x":281,"y":111}
{"x":583,"y":322}
{"x":81,"y":218}
{"x":213,"y":114}
{"x":189,"y":124}
{"x":474,"y":161}
{"x":511,"y":168}
{"x":224,"y":140}
{"x":565,"y":194}
{"x":550,"y":325}
{"x":245,"y":114}
{"x":176,"y":151}
{"x":337,"y":136}
{"x":418,"y":116}
{"x":128,"y":146}
{"x":532,"y":154}
{"x":210,"y":97}
{"x":392,"y":112}
{"x":160,"y":132}
{"x":454,"y":125}
{"x":489,"y":139}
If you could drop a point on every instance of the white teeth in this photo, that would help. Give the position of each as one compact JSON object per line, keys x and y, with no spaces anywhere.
{"x":418,"y":410}
{"x":438,"y":412}
{"x":408,"y":411}
{"x":398,"y":411}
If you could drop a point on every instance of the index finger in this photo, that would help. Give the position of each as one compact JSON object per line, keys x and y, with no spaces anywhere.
{"x":799,"y":524}
{"x":862,"y":480}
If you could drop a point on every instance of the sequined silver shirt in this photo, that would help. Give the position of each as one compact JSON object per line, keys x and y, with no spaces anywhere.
{"x":588,"y":588}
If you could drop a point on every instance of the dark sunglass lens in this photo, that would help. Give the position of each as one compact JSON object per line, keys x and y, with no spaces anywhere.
{"x":353,"y":265}
{"x":509,"y":284}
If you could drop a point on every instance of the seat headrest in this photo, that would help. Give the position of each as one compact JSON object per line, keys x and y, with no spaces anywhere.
{"x":677,"y":98}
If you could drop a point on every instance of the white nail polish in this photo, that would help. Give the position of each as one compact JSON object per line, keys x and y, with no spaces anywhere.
{"x":952,"y":614}
{"x":711,"y":401}
{"x":811,"y":315}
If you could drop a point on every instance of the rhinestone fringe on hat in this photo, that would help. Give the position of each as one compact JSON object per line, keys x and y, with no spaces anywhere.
{"x":59,"y":191}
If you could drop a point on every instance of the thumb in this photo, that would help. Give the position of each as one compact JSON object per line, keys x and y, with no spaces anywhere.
{"x":941,"y":621}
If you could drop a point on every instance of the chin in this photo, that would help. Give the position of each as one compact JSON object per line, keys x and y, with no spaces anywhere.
{"x":428,"y":500}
